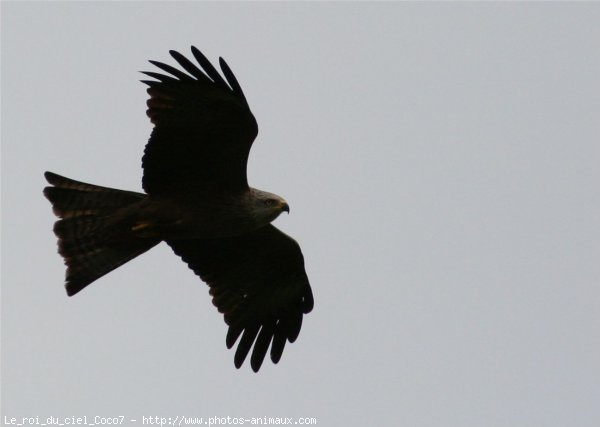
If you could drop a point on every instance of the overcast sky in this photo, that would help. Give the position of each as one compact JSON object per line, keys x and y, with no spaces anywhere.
{"x":441,"y":162}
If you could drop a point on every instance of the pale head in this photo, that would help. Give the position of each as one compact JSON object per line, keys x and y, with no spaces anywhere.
{"x":266,"y":206}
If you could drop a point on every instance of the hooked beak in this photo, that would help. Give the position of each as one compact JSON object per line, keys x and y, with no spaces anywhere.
{"x":285,"y":207}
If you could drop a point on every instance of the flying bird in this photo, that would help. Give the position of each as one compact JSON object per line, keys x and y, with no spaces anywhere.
{"x":197,"y":200}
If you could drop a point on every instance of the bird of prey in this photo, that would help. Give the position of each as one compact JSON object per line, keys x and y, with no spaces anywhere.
{"x":197,"y":200}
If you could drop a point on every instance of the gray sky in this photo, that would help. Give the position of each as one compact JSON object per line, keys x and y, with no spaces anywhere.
{"x":441,"y":163}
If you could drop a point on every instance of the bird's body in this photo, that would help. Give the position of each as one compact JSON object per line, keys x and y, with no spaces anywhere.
{"x":197,"y":200}
{"x":206,"y":215}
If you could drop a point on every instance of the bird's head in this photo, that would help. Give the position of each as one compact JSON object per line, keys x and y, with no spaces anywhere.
{"x":267,"y":206}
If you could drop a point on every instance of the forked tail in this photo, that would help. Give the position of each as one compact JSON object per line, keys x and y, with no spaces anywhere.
{"x":89,"y":238}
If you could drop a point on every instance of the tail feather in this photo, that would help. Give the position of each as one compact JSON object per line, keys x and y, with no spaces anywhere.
{"x":77,"y":226}
{"x":72,"y":198}
{"x":89,"y":240}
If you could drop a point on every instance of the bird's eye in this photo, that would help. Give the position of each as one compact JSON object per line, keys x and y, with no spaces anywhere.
{"x":270,"y":202}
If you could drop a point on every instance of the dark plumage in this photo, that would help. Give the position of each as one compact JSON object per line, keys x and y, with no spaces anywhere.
{"x":198,"y":201}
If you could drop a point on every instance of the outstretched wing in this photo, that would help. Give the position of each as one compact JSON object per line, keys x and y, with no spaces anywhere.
{"x":203,"y":128}
{"x":258,"y":282}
